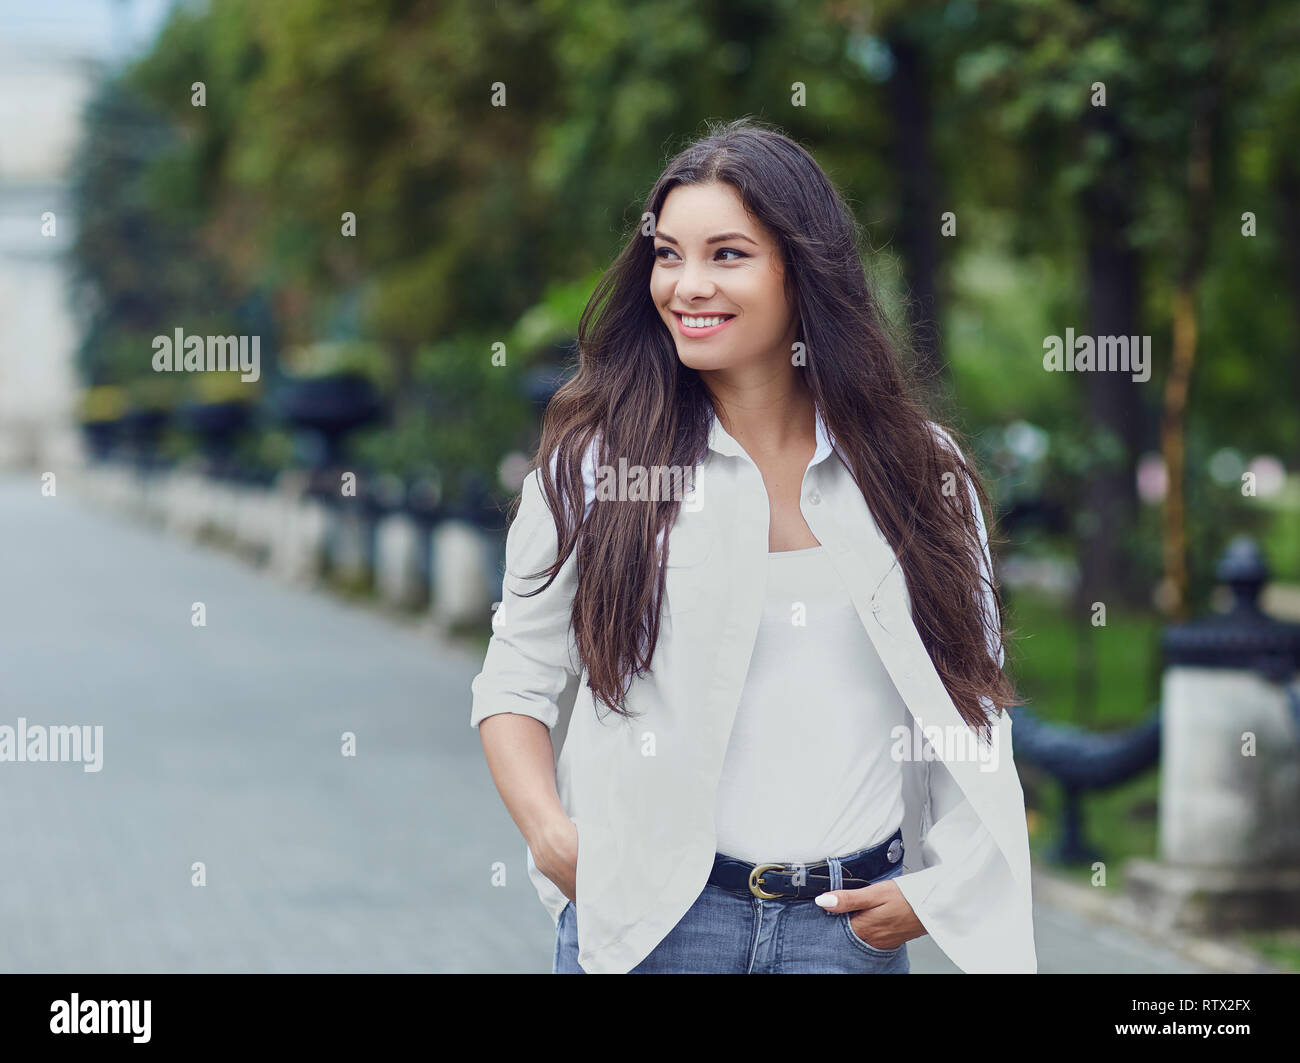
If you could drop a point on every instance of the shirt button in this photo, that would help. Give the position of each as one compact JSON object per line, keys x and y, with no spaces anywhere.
{"x":814,"y":496}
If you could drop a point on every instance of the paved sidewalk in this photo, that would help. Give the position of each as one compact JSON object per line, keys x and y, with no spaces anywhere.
{"x":222,"y":745}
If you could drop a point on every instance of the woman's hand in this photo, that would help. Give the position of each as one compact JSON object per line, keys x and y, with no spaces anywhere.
{"x":555,"y":852}
{"x":884,"y":919}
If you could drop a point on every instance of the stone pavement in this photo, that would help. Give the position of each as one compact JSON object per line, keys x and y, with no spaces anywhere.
{"x":222,"y":744}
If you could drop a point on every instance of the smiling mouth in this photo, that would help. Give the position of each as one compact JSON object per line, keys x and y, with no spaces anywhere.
{"x":715,"y":323}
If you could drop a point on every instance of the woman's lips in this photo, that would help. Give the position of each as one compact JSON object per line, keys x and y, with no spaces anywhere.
{"x":699,"y":333}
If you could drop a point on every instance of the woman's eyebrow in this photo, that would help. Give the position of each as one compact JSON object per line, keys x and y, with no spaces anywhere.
{"x":712,"y":239}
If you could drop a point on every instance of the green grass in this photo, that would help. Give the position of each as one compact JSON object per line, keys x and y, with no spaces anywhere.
{"x":1099,"y":679}
{"x":1280,"y":539}
{"x":1281,"y":947}
{"x":351,"y":586}
{"x":1096,"y":678}
{"x":1071,"y":672}
{"x":472,"y":636}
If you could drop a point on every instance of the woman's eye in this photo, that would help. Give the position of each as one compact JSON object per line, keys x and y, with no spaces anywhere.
{"x":659,"y":253}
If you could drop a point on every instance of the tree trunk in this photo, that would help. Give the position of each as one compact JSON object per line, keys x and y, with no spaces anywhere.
{"x":1177,"y":387}
{"x":918,"y":230}
{"x":1114,"y":399}
{"x":1287,"y":189}
{"x":1286,"y":186}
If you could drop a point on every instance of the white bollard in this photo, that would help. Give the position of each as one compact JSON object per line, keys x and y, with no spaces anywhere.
{"x":460,"y":588}
{"x":298,"y":550}
{"x":398,"y":570}
{"x":1230,"y":771}
{"x":348,"y":546}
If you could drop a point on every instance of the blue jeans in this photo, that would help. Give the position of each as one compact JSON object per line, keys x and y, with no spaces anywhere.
{"x":727,"y":933}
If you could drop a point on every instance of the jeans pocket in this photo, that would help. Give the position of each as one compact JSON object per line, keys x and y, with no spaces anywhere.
{"x":566,"y":947}
{"x":846,"y":921}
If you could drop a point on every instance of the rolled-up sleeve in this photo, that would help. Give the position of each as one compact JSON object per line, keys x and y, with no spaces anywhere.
{"x":531,"y":655}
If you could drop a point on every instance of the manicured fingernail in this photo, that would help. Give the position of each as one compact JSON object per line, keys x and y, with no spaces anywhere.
{"x":827,"y":900}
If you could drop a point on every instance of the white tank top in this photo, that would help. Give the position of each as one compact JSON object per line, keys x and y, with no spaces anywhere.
{"x":808,"y":772}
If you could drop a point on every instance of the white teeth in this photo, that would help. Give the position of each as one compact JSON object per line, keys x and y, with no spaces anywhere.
{"x":702,"y":322}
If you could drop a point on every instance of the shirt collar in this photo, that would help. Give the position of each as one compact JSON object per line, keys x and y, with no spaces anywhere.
{"x":723,"y":442}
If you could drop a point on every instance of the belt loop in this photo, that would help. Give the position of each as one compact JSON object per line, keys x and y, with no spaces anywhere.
{"x":837,"y":873}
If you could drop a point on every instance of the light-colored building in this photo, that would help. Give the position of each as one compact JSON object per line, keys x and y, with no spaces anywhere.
{"x":51,"y":56}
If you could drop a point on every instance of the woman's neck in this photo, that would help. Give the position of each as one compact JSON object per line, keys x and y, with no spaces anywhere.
{"x":772,"y":417}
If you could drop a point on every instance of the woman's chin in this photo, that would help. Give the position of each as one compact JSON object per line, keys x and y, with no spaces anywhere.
{"x":701,"y":363}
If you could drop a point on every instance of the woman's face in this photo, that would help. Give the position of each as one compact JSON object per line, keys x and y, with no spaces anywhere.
{"x":713,"y":260}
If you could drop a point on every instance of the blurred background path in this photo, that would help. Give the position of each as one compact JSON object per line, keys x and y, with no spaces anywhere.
{"x":222,"y":745}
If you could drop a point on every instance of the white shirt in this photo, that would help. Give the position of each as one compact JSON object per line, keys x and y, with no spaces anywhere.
{"x":808,"y":772}
{"x":642,"y":792}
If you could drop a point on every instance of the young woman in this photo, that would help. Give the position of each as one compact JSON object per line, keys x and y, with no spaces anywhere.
{"x":763,"y":574}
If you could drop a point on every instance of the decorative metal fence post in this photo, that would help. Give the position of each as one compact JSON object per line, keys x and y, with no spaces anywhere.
{"x":1230,"y":767}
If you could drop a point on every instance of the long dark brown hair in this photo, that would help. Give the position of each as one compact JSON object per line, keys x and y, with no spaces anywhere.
{"x":633,"y":395}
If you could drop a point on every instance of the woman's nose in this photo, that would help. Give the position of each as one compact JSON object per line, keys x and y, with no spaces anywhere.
{"x":694,"y":281}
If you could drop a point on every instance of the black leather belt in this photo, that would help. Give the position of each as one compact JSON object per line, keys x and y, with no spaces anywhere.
{"x":805,"y":880}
